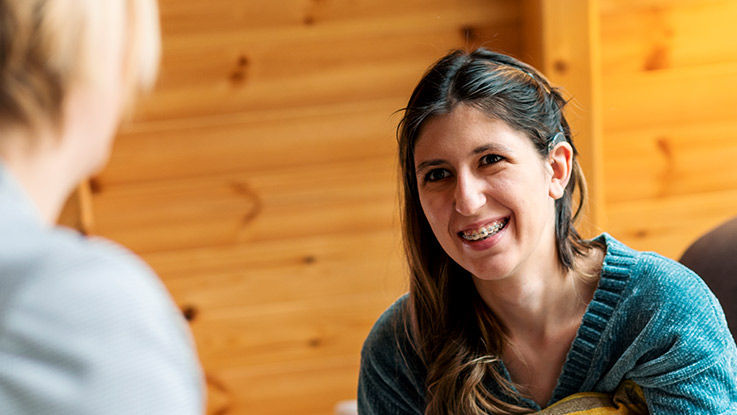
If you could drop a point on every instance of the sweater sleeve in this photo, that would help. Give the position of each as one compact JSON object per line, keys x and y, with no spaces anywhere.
{"x":711,"y":391}
{"x":389,"y":382}
{"x":688,"y":359}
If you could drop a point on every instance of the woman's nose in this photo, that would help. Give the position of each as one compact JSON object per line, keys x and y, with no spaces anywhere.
{"x":469,"y":194}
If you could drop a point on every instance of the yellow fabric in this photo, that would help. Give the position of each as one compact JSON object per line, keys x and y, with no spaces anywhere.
{"x":628,"y":399}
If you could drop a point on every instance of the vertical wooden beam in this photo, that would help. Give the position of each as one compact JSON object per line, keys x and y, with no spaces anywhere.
{"x":77,"y":212}
{"x":561,"y":39}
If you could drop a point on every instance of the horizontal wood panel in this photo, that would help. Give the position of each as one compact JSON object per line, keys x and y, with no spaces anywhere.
{"x":667,"y":160}
{"x":669,"y":225}
{"x":187,"y":17}
{"x":670,"y":119}
{"x":609,"y":7}
{"x":329,"y":326}
{"x":259,"y":206}
{"x":275,"y":305}
{"x":670,"y":97}
{"x":646,"y":37}
{"x":307,"y":387}
{"x":253,"y":142}
{"x":326,"y":88}
{"x":241,"y":60}
{"x":240,"y":67}
{"x":283,"y":271}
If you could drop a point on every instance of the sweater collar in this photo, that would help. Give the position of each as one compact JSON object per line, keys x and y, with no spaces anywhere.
{"x":615,"y":275}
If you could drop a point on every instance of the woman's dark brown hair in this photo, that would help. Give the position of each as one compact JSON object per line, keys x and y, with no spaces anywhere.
{"x":455,"y":334}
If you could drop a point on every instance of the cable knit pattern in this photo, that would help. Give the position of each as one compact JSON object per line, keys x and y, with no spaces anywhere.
{"x":651,"y":321}
{"x":613,"y":281}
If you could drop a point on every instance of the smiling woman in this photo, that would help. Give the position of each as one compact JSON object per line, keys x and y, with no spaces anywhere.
{"x":488,"y":181}
{"x":509,"y":309}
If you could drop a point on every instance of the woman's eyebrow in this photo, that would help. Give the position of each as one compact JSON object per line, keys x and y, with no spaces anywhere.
{"x":478,"y":150}
{"x":429,"y":163}
{"x":490,"y":147}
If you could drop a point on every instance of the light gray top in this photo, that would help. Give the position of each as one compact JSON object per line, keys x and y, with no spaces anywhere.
{"x":85,"y":327}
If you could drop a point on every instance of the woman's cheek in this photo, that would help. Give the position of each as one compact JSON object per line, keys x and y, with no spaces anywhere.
{"x":433,"y":207}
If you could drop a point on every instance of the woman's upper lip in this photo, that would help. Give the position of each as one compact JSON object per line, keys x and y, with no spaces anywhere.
{"x":477,"y":225}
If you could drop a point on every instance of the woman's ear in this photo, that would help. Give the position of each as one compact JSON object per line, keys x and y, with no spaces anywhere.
{"x":560,"y":159}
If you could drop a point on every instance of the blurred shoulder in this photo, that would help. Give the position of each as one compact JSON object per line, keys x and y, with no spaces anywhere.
{"x":64,"y":275}
{"x":88,"y":316}
{"x":62,"y":260}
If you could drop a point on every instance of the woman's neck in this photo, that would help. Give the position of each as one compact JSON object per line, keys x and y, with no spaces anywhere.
{"x":535,"y":306}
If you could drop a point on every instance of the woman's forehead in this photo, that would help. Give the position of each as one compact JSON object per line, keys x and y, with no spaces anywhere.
{"x":464,"y":130}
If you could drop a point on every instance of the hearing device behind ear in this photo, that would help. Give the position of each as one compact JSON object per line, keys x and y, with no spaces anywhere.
{"x":559,"y":137}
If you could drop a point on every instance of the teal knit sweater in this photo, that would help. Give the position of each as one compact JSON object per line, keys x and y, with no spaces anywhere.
{"x":651,"y":321}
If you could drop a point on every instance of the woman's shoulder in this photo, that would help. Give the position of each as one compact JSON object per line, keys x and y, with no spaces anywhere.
{"x":389,"y":350}
{"x":389,"y":333}
{"x":644,"y":297}
{"x":659,"y":300}
{"x":649,"y":275}
{"x":665,"y":324}
{"x":392,"y":377}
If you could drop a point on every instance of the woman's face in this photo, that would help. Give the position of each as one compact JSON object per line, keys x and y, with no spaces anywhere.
{"x":486,"y":193}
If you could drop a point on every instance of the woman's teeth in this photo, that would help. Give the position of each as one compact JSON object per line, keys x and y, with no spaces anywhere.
{"x":484,"y":232}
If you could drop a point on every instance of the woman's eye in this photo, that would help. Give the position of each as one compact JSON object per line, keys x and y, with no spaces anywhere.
{"x":490,"y":159}
{"x":435,"y":175}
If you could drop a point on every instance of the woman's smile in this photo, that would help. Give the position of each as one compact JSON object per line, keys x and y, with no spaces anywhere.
{"x":482,"y":238}
{"x":479,"y":233}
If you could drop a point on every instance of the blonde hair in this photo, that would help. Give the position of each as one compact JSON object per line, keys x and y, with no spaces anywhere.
{"x":46,"y":46}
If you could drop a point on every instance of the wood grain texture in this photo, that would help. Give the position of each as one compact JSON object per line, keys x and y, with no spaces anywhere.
{"x":259,"y":180}
{"x":670,"y":119}
{"x":251,"y":57}
{"x":77,"y":212}
{"x":670,"y":97}
{"x":668,"y":225}
{"x":252,"y":142}
{"x":651,"y":36}
{"x":563,"y":38}
{"x":251,"y":207}
{"x":671,"y":160}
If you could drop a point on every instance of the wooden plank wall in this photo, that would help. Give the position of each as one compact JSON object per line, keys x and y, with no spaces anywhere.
{"x":669,"y":70}
{"x":259,"y":180}
{"x":561,"y":38}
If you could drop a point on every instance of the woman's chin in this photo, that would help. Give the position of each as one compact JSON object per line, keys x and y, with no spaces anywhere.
{"x":489,"y":272}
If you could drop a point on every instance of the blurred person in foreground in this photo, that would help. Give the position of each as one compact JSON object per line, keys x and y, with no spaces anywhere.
{"x":85,"y":326}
